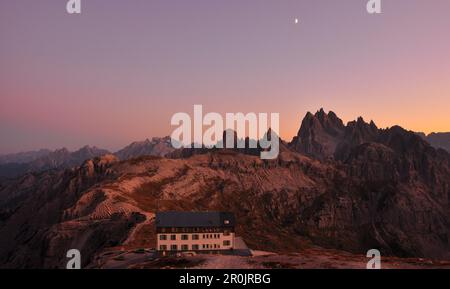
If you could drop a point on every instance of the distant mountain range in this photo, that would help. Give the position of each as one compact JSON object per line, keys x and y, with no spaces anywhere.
{"x":322,"y":136}
{"x":438,"y":140}
{"x":350,"y":187}
{"x":14,"y":165}
{"x":23,"y":157}
{"x":155,"y":147}
{"x":18,"y":164}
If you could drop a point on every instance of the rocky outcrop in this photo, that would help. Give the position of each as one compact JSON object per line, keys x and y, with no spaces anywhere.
{"x":38,"y":231}
{"x":245,"y":146}
{"x":367,"y":188}
{"x":319,"y":135}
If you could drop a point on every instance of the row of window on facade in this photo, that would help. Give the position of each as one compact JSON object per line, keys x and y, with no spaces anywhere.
{"x":194,"y":247}
{"x":195,"y":229}
{"x":194,"y":236}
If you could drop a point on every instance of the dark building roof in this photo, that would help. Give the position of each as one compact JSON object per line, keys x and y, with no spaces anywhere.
{"x":194,"y":219}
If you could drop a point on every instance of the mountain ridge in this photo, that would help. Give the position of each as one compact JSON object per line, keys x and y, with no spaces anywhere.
{"x":321,"y":135}
{"x":362,"y":188}
{"x":437,"y":139}
{"x":47,"y":160}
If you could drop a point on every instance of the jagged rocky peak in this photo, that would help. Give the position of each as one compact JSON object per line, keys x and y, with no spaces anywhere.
{"x":98,"y":164}
{"x":319,"y":134}
{"x":359,"y":131}
{"x":157,"y":146}
{"x":324,"y":136}
{"x":89,"y":152}
{"x":403,"y":141}
{"x":329,"y":123}
{"x":329,"y":119}
{"x":105,"y":159}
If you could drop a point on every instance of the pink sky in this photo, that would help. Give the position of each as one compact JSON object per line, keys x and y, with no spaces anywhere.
{"x":118,"y":72}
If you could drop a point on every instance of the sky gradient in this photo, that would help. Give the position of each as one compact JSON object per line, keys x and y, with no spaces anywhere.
{"x":120,"y":70}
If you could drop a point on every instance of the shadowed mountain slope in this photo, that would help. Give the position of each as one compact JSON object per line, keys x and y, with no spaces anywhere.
{"x":361,"y":188}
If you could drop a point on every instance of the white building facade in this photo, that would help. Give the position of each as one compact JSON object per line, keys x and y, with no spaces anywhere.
{"x":203,"y":232}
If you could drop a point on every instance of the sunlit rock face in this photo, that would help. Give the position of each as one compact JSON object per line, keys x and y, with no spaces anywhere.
{"x":352,"y":188}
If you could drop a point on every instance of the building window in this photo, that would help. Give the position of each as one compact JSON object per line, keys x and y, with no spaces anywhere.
{"x":194,"y":247}
{"x":184,"y":237}
{"x":173,"y":247}
{"x":195,"y":237}
{"x":184,"y":247}
{"x":163,"y":237}
{"x":226,"y":243}
{"x":162,"y":247}
{"x":226,"y":233}
{"x":173,"y":237}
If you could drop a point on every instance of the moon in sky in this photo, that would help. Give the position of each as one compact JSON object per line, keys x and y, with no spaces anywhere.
{"x":296,"y":21}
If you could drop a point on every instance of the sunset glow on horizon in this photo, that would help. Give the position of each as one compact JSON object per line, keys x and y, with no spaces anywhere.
{"x":120,"y":70}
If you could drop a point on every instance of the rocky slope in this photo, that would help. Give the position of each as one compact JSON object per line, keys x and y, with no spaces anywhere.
{"x":385,"y":189}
